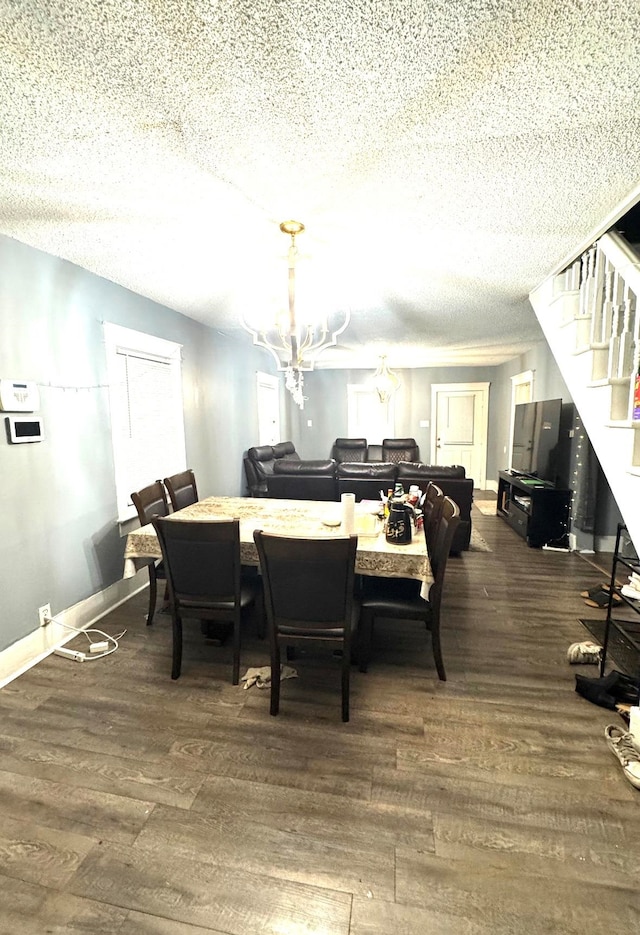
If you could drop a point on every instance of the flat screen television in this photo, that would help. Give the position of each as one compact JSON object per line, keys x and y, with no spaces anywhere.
{"x":536,"y":433}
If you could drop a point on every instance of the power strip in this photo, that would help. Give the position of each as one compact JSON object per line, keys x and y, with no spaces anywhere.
{"x":70,"y":654}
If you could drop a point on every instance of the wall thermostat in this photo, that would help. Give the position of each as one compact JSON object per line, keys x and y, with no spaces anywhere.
{"x":19,"y":396}
{"x":24,"y":429}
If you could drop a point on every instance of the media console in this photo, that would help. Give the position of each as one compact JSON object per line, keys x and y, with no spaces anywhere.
{"x":536,"y":509}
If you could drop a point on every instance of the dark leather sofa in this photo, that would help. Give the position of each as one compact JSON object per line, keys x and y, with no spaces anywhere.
{"x":365,"y":480}
{"x":328,"y":480}
{"x":350,"y":449}
{"x":453,"y":482}
{"x":259,"y":464}
{"x":303,"y":480}
{"x":391,"y":449}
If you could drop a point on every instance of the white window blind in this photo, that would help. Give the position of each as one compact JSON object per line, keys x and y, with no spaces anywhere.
{"x":147,"y":420}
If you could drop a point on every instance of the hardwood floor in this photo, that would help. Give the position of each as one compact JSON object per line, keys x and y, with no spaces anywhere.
{"x":134,"y":805}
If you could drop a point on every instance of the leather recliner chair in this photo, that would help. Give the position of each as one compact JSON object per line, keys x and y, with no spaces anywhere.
{"x":349,"y":449}
{"x":400,"y":449}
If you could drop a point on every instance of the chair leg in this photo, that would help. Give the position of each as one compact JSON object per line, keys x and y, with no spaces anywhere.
{"x":260,"y":615}
{"x":365,"y":635}
{"x":437,"y":654}
{"x":236,"y":649}
{"x":177,"y":647}
{"x":153,"y":588}
{"x":346,"y":673}
{"x":275,"y":678}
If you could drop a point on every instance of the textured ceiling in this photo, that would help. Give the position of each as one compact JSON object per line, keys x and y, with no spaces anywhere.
{"x":444,"y":156}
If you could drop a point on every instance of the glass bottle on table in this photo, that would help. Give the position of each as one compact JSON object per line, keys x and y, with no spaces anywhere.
{"x":387,"y":502}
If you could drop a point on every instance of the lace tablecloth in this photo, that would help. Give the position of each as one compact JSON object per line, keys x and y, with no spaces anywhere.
{"x":375,"y":555}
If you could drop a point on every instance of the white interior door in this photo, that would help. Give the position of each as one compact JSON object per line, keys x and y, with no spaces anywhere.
{"x":521,"y":392}
{"x":367,"y":417}
{"x":459,"y":427}
{"x":268,"y":389}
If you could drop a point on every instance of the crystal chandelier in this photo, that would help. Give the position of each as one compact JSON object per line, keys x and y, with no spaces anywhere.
{"x":295,"y":336}
{"x":385,"y":381}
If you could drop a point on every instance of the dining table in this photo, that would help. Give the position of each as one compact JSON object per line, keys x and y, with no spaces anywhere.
{"x":304,"y":518}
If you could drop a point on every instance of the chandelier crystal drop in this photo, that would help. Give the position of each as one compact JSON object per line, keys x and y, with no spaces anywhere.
{"x":295,"y":336}
{"x":385,"y":381}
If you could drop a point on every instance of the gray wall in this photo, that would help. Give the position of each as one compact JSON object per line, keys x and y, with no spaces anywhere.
{"x":326,"y":406}
{"x":60,"y":541}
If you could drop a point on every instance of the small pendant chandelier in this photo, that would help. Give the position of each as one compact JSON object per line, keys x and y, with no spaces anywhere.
{"x":296,"y":337}
{"x":385,"y":381}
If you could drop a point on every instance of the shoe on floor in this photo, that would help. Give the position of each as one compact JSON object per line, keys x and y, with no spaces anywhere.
{"x":622,"y":745}
{"x":585,"y":652}
{"x":595,"y":590}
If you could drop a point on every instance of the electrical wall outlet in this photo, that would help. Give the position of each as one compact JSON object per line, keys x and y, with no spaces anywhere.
{"x":44,"y":614}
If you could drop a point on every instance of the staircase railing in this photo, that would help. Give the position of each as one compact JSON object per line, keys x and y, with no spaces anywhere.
{"x":590,"y":316}
{"x":605,"y":282}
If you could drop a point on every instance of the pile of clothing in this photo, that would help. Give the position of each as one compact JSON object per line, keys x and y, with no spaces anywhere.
{"x":611,"y":691}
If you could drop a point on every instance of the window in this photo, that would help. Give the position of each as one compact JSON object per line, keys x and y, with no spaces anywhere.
{"x":367,"y":417}
{"x":147,"y":419}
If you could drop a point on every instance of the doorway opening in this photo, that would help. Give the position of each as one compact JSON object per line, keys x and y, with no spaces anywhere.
{"x":459,"y":427}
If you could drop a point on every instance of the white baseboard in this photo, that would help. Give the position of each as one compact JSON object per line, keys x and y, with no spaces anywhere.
{"x":492,"y":485}
{"x":40,"y":643}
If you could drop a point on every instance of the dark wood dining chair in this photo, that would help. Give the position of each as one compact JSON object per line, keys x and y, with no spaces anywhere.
{"x":149,"y":502}
{"x":182,"y":489}
{"x":399,"y":598}
{"x":432,"y":511}
{"x":202,"y":561}
{"x":308,"y":596}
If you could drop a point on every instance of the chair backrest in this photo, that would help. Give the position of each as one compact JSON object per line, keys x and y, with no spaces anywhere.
{"x":308,"y":583}
{"x":151,"y":501}
{"x":201,"y":560}
{"x":449,"y":519}
{"x":349,"y":449}
{"x":432,"y":511}
{"x":400,"y":449}
{"x":182,"y":489}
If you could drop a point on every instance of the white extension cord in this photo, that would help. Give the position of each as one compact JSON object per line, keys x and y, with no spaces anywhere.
{"x":98,"y":649}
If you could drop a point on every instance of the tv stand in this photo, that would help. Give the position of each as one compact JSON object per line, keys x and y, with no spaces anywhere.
{"x":535,"y":508}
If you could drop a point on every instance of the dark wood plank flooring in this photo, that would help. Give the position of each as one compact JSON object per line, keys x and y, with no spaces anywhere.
{"x":134,"y":805}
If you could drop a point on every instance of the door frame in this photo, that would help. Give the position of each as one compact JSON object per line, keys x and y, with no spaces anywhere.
{"x":520,"y":379}
{"x":268,"y":381}
{"x":481,"y":389}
